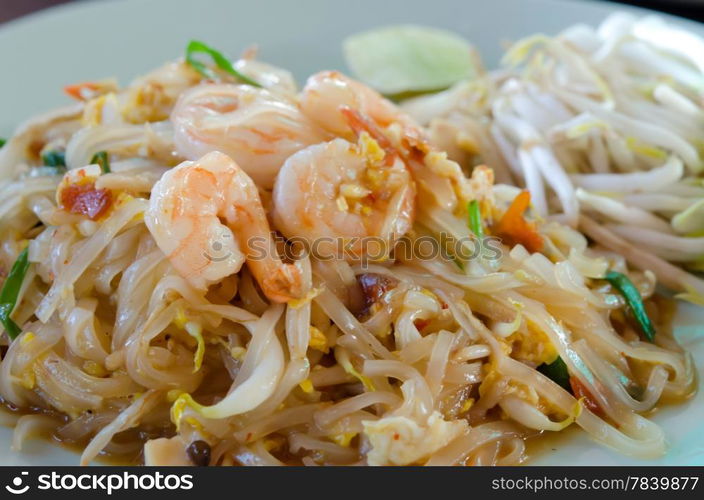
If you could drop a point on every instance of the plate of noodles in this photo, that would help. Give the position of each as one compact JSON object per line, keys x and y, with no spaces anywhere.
{"x":291,"y":233}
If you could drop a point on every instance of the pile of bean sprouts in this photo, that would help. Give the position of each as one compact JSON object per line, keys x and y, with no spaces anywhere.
{"x":603,"y":126}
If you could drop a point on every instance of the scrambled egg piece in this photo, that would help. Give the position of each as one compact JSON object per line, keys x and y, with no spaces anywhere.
{"x":344,"y":439}
{"x":318,"y":340}
{"x":403,"y":441}
{"x":307,"y":386}
{"x":534,"y":346}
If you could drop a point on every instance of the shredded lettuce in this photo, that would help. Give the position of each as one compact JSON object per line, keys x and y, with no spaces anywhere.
{"x":409,"y":59}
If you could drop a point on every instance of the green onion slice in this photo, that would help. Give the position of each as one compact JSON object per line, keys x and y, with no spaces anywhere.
{"x":101,"y":158}
{"x":634,"y":301}
{"x":197,"y":47}
{"x":557,"y":372}
{"x":54,"y":159}
{"x":475,"y":219}
{"x":10,"y":291}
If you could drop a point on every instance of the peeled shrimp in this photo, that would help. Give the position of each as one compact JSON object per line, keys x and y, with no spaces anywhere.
{"x":150,"y":98}
{"x":344,"y":106}
{"x":257,"y":128}
{"x":327,"y":91}
{"x":344,"y":199}
{"x":184,"y":217}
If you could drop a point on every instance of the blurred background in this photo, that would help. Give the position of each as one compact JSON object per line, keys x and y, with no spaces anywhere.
{"x":691,"y":9}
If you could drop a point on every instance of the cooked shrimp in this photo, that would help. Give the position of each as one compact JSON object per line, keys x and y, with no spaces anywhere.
{"x":344,"y":106}
{"x":257,"y":128}
{"x":325,"y":92}
{"x":345,"y":200}
{"x":184,"y":214}
{"x":151,"y":97}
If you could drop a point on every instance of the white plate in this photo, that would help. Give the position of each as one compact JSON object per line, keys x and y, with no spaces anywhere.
{"x":88,"y":40}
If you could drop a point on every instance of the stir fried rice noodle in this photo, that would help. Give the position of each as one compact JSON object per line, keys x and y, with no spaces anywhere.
{"x":149,"y":328}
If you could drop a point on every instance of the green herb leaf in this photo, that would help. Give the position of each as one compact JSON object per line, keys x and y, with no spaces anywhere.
{"x":54,"y":159}
{"x":634,"y":301}
{"x":101,"y":158}
{"x":196,"y":47}
{"x":409,"y":59}
{"x":10,"y":291}
{"x":2,"y":142}
{"x":475,"y":219}
{"x":557,"y":372}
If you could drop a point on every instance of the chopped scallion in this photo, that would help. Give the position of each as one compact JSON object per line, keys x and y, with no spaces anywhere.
{"x":475,"y":219}
{"x":54,"y":159}
{"x":101,"y":158}
{"x":10,"y":292}
{"x":634,"y":301}
{"x":557,"y":372}
{"x":197,"y":47}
